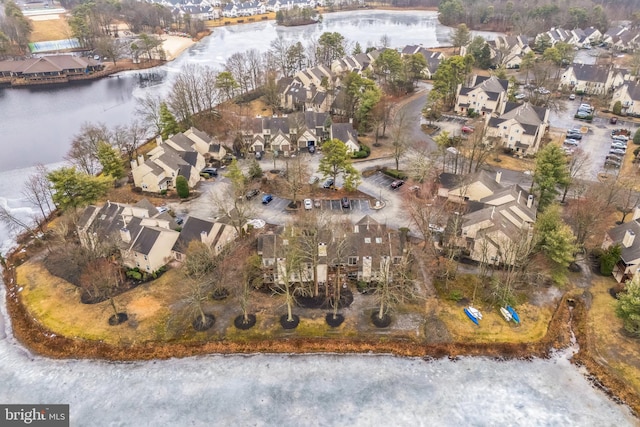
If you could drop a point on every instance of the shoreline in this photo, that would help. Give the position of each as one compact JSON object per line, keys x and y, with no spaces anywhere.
{"x":570,"y":316}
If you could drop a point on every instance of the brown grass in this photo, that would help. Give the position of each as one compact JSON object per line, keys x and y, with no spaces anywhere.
{"x":52,"y":29}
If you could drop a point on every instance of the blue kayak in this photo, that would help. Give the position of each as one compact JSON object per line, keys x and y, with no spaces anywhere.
{"x":471,"y":316}
{"x":514,"y":315}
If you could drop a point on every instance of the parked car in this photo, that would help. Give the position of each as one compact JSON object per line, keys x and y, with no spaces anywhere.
{"x":576,"y":136}
{"x":617,"y":151}
{"x":572,"y":96}
{"x":312,"y":149}
{"x":328,"y":183}
{"x":520,"y":96}
{"x":313,"y":179}
{"x":308,"y":204}
{"x":619,"y":145}
{"x":345,"y":203}
{"x":179,"y":220}
{"x":252,"y":193}
{"x":258,"y":155}
{"x":543,"y":91}
{"x":210,"y":171}
{"x":614,"y":158}
{"x":467,"y":129}
{"x":571,"y":142}
{"x":613,"y":120}
{"x":397,"y":184}
{"x":435,"y":228}
{"x":582,"y":114}
{"x":266,"y":199}
{"x":624,"y":138}
{"x":612,"y":164}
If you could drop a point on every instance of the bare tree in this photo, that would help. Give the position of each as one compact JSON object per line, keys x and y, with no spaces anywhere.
{"x":148,"y":110}
{"x":18,"y":223}
{"x":297,"y":177}
{"x":399,"y":140}
{"x":198,"y":269}
{"x":84,"y":147}
{"x":578,"y":164}
{"x":37,"y":191}
{"x":102,"y":280}
{"x":233,"y":207}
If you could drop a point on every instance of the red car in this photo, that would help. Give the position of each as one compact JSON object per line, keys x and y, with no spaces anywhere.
{"x":467,"y":129}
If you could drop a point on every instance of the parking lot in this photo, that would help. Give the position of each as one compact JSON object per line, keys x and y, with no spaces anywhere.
{"x":596,"y":141}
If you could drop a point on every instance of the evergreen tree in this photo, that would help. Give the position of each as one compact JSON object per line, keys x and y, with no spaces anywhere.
{"x":555,"y":238}
{"x":182,"y":187}
{"x":168,"y":122}
{"x":551,"y":172}
{"x":628,"y":308}
{"x":110,"y":160}
{"x":72,"y":188}
{"x":336,"y":161}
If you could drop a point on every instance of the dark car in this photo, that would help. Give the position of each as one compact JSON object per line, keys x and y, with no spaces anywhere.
{"x":397,"y":184}
{"x":611,"y":164}
{"x":258,"y":155}
{"x":252,"y":193}
{"x":312,"y":149}
{"x":266,"y":199}
{"x":210,"y":171}
{"x":328,"y":183}
{"x":613,"y":120}
{"x":572,"y":135}
{"x":345,"y":203}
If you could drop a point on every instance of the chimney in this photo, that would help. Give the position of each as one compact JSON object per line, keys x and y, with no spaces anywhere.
{"x":134,"y":164}
{"x":498,"y":176}
{"x":140,"y":160}
{"x":125,"y":235}
{"x":530,"y":201}
{"x":493,"y":211}
{"x":519,"y":194}
{"x":203,"y":236}
{"x":636,"y":213}
{"x":629,"y":237}
{"x":159,"y":140}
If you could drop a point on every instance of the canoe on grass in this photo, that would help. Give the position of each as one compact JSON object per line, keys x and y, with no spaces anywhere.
{"x":505,"y":313}
{"x":476,"y":313}
{"x":513,"y":313}
{"x":471,"y":316}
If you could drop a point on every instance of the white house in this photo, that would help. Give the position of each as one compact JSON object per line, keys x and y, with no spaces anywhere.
{"x":519,"y":127}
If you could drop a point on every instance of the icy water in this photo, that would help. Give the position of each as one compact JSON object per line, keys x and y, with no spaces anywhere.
{"x":265,"y":390}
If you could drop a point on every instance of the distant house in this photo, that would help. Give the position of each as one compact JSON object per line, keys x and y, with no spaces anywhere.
{"x":496,"y":218}
{"x":625,"y":236}
{"x":432,"y":57}
{"x":216,"y":235}
{"x":286,"y":134}
{"x":53,"y":68}
{"x":629,"y":96}
{"x":519,"y":127}
{"x":367,"y":252}
{"x":177,"y":156}
{"x":592,"y":79}
{"x":145,"y":236}
{"x":347,"y":134}
{"x":556,"y":35}
{"x":485,"y":95}
{"x":509,"y":50}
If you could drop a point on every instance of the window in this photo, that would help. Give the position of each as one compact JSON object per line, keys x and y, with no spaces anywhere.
{"x":367,"y":239}
{"x":397,"y":259}
{"x":378,"y":240}
{"x":353,"y":260}
{"x":145,"y":258}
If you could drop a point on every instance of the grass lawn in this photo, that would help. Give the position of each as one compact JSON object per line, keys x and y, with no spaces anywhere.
{"x":620,"y":353}
{"x":50,"y":29}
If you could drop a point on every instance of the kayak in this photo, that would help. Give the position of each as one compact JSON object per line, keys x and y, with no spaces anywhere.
{"x":513,"y":313}
{"x":505,"y":313}
{"x":476,"y":313}
{"x":471,"y":316}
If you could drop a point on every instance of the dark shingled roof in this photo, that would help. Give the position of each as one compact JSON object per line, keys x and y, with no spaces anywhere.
{"x":145,"y":240}
{"x":591,"y":73}
{"x":617,"y":234}
{"x":191,"y":230}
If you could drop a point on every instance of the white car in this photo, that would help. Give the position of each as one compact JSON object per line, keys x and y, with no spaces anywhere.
{"x":619,"y":145}
{"x":520,"y":96}
{"x":572,"y":142}
{"x":308,"y":204}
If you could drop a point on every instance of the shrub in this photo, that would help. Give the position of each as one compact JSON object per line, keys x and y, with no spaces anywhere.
{"x":455,"y":295}
{"x":609,"y":259}
{"x":135,"y":275}
{"x":394,"y":173}
{"x":617,"y":108}
{"x":363,"y":153}
{"x":587,"y":118}
{"x":137,"y":190}
{"x":163,"y":192}
{"x":636,"y":137}
{"x":182,"y":187}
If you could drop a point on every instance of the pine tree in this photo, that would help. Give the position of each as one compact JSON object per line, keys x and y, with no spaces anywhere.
{"x":551,"y":172}
{"x":168,"y":122}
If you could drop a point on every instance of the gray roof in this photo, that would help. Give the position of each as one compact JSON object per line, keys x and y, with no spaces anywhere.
{"x":344,"y":132}
{"x":192,"y":230}
{"x":145,"y":240}
{"x":617,"y":234}
{"x":591,"y":73}
{"x":633,"y":89}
